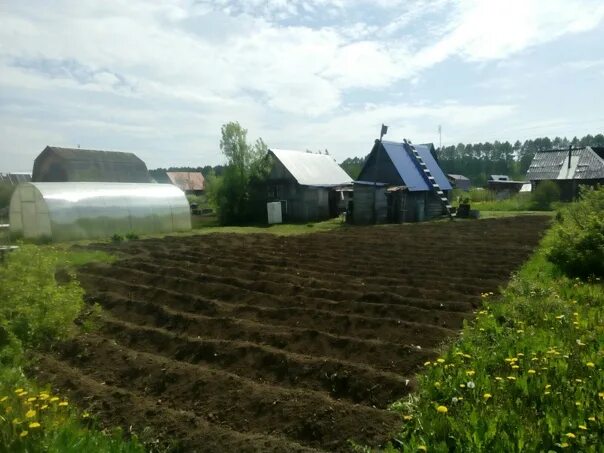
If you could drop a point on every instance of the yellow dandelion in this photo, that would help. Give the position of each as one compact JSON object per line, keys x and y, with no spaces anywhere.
{"x":577,"y":403}
{"x":559,"y":316}
{"x":520,"y":354}
{"x":498,"y":378}
{"x":467,"y":356}
{"x":3,"y":399}
{"x":63,"y":403}
{"x":470,"y":372}
{"x":442,"y":409}
{"x":531,"y":371}
{"x":463,"y":386}
{"x":19,"y":391}
{"x":405,"y":417}
{"x":16,"y":421}
{"x":570,"y":435}
{"x":44,"y":396}
{"x":548,"y":386}
{"x":440,"y":360}
{"x":601,"y":394}
{"x":564,"y":444}
{"x":579,"y":380}
{"x":515,"y":367}
{"x":591,"y":419}
{"x":520,"y":331}
{"x":481,"y":329}
{"x":30,"y":413}
{"x":45,"y":406}
{"x":422,"y":448}
{"x":427,"y":363}
{"x":22,"y":394}
{"x":590,"y":365}
{"x":546,"y":393}
{"x":23,"y":433}
{"x":486,"y":396}
{"x":583,"y":427}
{"x":32,"y":399}
{"x":53,"y":399}
{"x":512,"y":378}
{"x":34,"y":425}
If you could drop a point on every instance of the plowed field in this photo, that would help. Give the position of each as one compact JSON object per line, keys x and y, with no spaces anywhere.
{"x":229,"y":342}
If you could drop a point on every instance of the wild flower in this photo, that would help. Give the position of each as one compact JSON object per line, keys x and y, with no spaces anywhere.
{"x":34,"y":425}
{"x":486,"y":396}
{"x":30,"y":413}
{"x":442,"y":409}
{"x":531,"y":371}
{"x":470,"y":372}
{"x":590,"y":365}
{"x":570,"y":435}
{"x":23,"y":433}
{"x":471,"y":384}
{"x":583,"y":427}
{"x":63,"y":403}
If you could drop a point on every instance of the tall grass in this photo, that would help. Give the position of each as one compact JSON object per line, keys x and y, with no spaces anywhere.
{"x":526,"y":374}
{"x":37,"y":309}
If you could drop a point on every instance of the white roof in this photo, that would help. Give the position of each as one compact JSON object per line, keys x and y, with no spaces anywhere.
{"x":311,"y":169}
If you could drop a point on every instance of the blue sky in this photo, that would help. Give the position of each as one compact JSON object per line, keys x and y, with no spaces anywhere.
{"x":159,"y":78}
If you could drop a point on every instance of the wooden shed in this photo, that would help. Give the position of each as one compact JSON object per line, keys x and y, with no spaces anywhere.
{"x":190,"y":182}
{"x":569,"y":169}
{"x":308,"y":186}
{"x":56,"y":164}
{"x":400,"y":183}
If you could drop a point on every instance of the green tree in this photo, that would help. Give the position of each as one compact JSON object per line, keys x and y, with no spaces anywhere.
{"x":241,"y":194}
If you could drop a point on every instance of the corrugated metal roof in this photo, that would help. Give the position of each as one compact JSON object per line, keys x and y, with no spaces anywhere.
{"x":458,"y":177}
{"x":400,"y":156}
{"x":499,"y":178}
{"x":584,"y":164}
{"x":311,"y":169}
{"x":13,"y":179}
{"x":186,"y":180}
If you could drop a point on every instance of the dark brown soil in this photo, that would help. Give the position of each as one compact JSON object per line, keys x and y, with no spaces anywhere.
{"x":230,"y":342}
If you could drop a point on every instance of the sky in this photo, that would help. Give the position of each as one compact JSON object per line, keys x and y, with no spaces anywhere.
{"x":159,"y":78}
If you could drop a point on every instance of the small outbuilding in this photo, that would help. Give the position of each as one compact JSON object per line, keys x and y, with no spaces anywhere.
{"x":503,"y":187}
{"x":400,"y":182}
{"x":190,"y":182}
{"x":569,"y":169}
{"x":458,"y":181}
{"x":86,"y":210}
{"x":308,"y":185}
{"x":13,"y":179}
{"x":56,"y":164}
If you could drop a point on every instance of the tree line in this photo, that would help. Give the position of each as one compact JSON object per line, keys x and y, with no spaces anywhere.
{"x":478,"y":160}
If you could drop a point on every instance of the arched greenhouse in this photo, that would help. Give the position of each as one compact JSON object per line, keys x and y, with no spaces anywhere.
{"x":63,"y":211}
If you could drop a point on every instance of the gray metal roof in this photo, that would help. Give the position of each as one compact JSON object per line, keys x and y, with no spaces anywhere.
{"x":400,"y":155}
{"x":457,"y":177}
{"x":584,"y":164}
{"x":499,"y":178}
{"x":12,"y":179}
{"x":310,"y":169}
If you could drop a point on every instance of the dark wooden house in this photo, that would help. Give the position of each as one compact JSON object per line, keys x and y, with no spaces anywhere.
{"x":394,"y":187}
{"x":308,"y":186}
{"x":56,"y":164}
{"x":459,"y":181}
{"x":569,"y":169}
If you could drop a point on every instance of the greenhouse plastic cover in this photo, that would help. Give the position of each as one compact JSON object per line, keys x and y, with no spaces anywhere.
{"x":85,"y":210}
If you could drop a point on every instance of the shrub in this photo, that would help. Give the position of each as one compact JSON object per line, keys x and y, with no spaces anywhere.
{"x":35,"y":308}
{"x":544,"y":195}
{"x":132,"y":236}
{"x":6,"y":191}
{"x":577,"y":245}
{"x":117,"y":238}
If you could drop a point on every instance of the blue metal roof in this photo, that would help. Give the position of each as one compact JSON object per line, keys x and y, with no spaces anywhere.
{"x":409,"y":172}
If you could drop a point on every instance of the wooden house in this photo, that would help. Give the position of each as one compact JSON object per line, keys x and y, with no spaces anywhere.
{"x":569,"y":169}
{"x":308,"y":186}
{"x":190,"y":182}
{"x":395,"y":186}
{"x":459,"y":181}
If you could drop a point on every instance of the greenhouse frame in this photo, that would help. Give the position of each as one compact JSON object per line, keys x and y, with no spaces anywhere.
{"x":64,"y":211}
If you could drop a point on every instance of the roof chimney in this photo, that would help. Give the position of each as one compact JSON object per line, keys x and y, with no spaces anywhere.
{"x":570,"y":153}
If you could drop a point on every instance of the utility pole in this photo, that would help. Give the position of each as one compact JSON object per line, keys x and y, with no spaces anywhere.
{"x":440,"y":136}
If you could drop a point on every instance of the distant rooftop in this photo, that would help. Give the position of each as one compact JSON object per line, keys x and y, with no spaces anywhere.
{"x":584,"y":163}
{"x":310,"y":169}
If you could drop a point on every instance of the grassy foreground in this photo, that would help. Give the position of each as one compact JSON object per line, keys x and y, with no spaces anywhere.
{"x":526,"y":375}
{"x":34,"y":310}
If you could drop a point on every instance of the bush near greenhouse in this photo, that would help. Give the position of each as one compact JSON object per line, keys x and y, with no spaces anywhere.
{"x":577,"y":246}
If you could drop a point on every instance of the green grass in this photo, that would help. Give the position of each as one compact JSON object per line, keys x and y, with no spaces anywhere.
{"x":498,"y":214}
{"x":283,"y":229}
{"x":525,"y":375}
{"x":36,"y":310}
{"x":518,"y":202}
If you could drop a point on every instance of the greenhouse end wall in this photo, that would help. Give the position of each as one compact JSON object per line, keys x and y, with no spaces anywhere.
{"x":66,"y":211}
